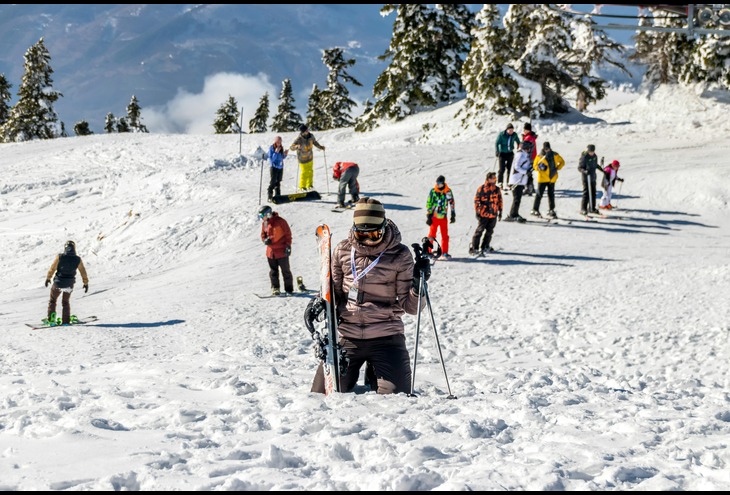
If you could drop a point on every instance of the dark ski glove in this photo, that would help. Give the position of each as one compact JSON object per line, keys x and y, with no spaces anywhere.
{"x":86,"y":288}
{"x":453,"y":216}
{"x":499,"y":216}
{"x":421,"y":265}
{"x":267,"y":241}
{"x":314,"y":312}
{"x":619,"y":179}
{"x":496,"y":154}
{"x":48,"y":281}
{"x":288,"y":250}
{"x":429,"y":218}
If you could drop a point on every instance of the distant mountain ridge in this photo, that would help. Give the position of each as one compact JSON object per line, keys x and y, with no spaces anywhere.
{"x":103,"y":54}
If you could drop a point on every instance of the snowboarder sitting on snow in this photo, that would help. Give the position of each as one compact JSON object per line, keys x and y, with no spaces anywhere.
{"x":276,"y":157}
{"x":488,"y":206}
{"x":440,"y":198}
{"x":375,"y":282}
{"x":304,"y":145}
{"x":547,"y":164}
{"x":521,"y":166}
{"x":587,"y":166}
{"x":276,"y":235}
{"x":346,"y":173}
{"x":610,"y":176}
{"x":63,"y":271}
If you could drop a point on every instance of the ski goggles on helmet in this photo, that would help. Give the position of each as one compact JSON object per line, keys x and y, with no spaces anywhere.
{"x":368,"y":232}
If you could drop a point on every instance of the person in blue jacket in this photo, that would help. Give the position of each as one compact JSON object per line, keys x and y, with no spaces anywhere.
{"x":276,"y":157}
{"x":504,"y":147}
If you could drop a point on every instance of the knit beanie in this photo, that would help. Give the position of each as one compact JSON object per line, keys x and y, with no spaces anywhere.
{"x":369,"y":213}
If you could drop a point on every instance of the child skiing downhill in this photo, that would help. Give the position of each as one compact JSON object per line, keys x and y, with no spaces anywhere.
{"x":610,"y":176}
{"x":440,"y":198}
{"x":63,"y":271}
{"x":488,"y":206}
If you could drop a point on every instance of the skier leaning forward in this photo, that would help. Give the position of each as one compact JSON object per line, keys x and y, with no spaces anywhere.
{"x":375,"y":282}
{"x":63,"y":270}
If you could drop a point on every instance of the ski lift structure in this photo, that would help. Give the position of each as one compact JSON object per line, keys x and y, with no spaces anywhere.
{"x":699,"y":18}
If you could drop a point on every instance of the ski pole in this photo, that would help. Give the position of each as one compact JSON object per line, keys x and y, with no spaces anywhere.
{"x":261,"y":181}
{"x":591,"y":199}
{"x":494,"y":165}
{"x":326,"y":174}
{"x":619,"y":191}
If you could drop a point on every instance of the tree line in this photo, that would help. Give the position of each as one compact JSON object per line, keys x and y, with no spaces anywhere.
{"x":530,"y":62}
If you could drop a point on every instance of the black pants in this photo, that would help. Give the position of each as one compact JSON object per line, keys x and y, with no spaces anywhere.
{"x":349,"y":180}
{"x":541,"y":186}
{"x":530,"y":189}
{"x":516,"y":200}
{"x":283,"y":264}
{"x":387,"y":355}
{"x":275,"y":182}
{"x":588,"y":194}
{"x":485,"y":227}
{"x":505,"y":165}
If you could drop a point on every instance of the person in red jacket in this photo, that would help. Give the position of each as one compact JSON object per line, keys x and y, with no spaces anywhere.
{"x":346,"y":173}
{"x":531,"y":137}
{"x":276,"y":235}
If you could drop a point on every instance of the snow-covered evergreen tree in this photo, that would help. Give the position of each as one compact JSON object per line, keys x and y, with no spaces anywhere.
{"x":123,"y":125}
{"x":259,"y":121}
{"x":82,"y":128}
{"x":4,"y":100}
{"x":416,"y":75}
{"x":33,"y":116}
{"x":134,"y":117}
{"x":591,"y":49}
{"x":227,"y":117}
{"x":335,"y":100}
{"x":710,"y":61}
{"x":316,"y":118}
{"x":489,"y":83}
{"x":666,"y":54}
{"x":452,"y":36}
{"x":110,"y":123}
{"x":286,"y":119}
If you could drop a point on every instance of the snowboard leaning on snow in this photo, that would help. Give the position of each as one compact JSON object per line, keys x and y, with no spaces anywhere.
{"x":84,"y":321}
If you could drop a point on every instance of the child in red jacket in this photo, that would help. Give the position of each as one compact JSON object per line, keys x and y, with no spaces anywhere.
{"x":276,"y":235}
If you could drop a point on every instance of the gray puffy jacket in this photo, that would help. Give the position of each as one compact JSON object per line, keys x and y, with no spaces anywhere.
{"x":385,"y":293}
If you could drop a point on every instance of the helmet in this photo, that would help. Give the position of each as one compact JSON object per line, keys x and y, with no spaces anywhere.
{"x":265,"y":211}
{"x":303,"y":128}
{"x":71,"y":244}
{"x":615,"y":163}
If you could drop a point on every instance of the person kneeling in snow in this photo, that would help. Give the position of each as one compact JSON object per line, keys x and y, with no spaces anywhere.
{"x":375,"y":282}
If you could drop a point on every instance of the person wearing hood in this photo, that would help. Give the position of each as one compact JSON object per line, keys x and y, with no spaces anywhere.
{"x":547,"y":164}
{"x":440,"y":199}
{"x":63,"y":271}
{"x":376,"y":282}
{"x":304,"y":146}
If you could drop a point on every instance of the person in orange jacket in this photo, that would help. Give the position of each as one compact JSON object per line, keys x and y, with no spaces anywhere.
{"x":346,"y":173}
{"x":276,"y":235}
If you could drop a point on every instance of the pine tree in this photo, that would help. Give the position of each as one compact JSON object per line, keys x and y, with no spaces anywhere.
{"x":33,"y":116}
{"x":4,"y":100}
{"x":452,"y":38}
{"x":710,"y":61}
{"x":591,"y":49}
{"x":316,"y":118}
{"x":134,"y":116}
{"x":258,"y":122}
{"x":335,"y":100}
{"x":490,"y":84}
{"x":666,"y":54}
{"x":544,"y":61}
{"x":361,"y":123}
{"x":123,"y":125}
{"x":286,"y":119}
{"x":227,"y":118}
{"x":110,"y":123}
{"x":82,"y":128}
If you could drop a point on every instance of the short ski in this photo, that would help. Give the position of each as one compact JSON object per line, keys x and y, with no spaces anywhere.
{"x":302,"y":196}
{"x":88,"y":319}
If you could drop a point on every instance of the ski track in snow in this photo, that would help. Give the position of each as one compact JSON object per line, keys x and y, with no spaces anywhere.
{"x":589,"y":356}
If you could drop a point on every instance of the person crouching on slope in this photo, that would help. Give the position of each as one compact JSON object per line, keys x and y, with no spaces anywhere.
{"x":63,"y":271}
{"x":488,"y":206}
{"x":440,"y":198}
{"x":375,"y":282}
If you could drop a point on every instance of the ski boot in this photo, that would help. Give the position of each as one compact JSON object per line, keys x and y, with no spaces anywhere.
{"x":300,"y":284}
{"x":74,"y":319}
{"x":552,"y":214}
{"x":275,"y":292}
{"x":535,"y":213}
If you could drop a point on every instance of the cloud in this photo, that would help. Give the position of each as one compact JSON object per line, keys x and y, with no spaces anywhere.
{"x":190,"y":113}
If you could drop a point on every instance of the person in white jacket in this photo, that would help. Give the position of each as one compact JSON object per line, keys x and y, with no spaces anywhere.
{"x":521,"y":167}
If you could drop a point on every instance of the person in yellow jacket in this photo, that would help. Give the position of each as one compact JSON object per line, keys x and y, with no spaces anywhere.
{"x":63,"y":270}
{"x":547,"y":163}
{"x":304,"y":145}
